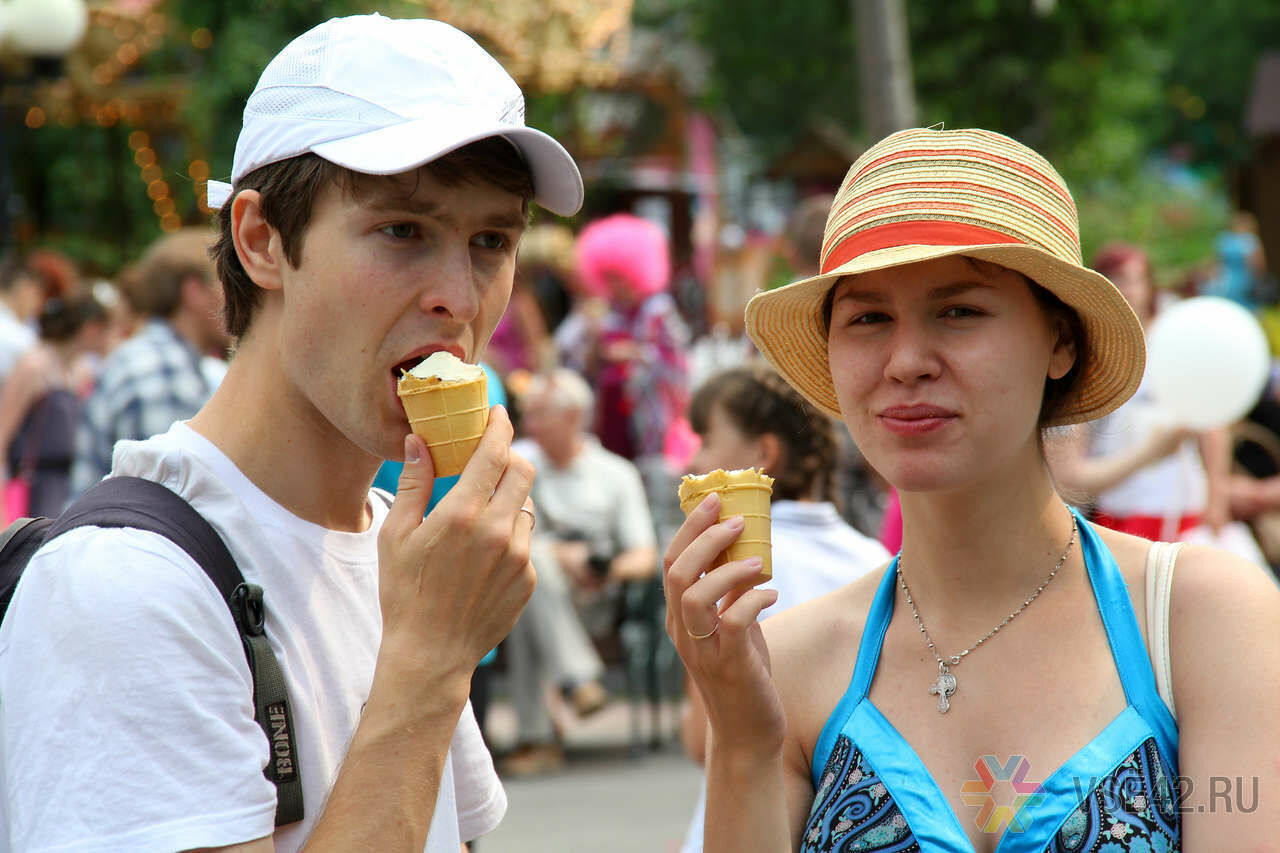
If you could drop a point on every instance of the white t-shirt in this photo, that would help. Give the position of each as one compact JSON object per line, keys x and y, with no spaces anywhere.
{"x":126,"y":715}
{"x":815,"y":551}
{"x":598,"y":495}
{"x":15,"y":339}
{"x":1175,"y":486}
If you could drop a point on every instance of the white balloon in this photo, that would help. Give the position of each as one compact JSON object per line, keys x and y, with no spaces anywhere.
{"x":1208,"y":361}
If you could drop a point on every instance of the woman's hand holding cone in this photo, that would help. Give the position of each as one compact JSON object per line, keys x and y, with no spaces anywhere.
{"x":730,"y":663}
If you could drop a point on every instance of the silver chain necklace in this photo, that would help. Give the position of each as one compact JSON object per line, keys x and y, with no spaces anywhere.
{"x":945,"y":686}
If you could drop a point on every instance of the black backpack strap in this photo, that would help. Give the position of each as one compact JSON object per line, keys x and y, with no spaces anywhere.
{"x":18,"y":544}
{"x":145,"y":505}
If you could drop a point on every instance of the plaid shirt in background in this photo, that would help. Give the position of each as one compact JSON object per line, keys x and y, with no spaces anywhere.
{"x":146,"y":383}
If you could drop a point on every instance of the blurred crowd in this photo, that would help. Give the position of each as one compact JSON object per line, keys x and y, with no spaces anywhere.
{"x":618,"y":386}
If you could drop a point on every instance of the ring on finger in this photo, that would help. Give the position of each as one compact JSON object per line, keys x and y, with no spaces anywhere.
{"x":705,"y":636}
{"x":533,"y":519}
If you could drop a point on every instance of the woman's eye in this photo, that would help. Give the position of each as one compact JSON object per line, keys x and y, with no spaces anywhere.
{"x":960,"y":312}
{"x":400,"y":230}
{"x":490,"y":240}
{"x":868,"y":318}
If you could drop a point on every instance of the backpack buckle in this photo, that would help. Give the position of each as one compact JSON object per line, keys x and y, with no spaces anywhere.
{"x":246,"y":606}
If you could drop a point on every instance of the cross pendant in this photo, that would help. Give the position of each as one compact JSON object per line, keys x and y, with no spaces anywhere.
{"x":943,"y":688}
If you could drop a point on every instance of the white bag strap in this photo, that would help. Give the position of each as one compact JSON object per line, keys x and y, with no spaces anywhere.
{"x":1160,"y":559}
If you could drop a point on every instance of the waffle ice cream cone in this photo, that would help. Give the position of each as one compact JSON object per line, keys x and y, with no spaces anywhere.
{"x":449,"y":414}
{"x":746,"y":493}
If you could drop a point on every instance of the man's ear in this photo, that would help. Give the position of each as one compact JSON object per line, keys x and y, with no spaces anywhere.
{"x":1064,"y":353}
{"x":257,"y":243}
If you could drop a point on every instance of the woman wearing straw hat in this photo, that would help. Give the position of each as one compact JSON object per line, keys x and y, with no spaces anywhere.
{"x":968,"y":696}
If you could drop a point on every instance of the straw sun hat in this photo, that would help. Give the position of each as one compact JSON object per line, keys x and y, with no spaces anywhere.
{"x":924,"y":194}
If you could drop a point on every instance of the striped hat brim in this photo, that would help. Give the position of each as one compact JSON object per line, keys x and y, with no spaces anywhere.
{"x":787,"y":326}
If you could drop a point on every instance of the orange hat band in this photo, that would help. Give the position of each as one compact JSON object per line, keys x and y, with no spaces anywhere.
{"x":917,"y":232}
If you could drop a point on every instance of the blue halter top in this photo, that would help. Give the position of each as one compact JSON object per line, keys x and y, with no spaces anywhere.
{"x":1117,"y":793}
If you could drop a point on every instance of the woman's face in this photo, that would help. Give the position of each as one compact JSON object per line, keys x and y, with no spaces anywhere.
{"x":940,"y":368}
{"x":724,"y":445}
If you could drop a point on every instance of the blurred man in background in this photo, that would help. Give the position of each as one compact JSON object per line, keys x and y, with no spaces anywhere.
{"x":166,"y":371}
{"x":594,"y":533}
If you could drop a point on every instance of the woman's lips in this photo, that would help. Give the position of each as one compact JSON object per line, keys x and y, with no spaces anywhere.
{"x":915,"y":420}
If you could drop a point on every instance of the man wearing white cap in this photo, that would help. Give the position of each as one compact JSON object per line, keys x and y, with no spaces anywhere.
{"x":380,"y":187}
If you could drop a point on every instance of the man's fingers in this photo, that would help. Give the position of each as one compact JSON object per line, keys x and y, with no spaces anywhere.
{"x":487,"y":465}
{"x":513,"y":487}
{"x":414,"y":490}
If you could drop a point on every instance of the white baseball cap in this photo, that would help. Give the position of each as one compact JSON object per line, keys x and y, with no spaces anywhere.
{"x":385,"y":95}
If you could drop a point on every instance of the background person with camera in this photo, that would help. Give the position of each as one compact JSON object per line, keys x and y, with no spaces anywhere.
{"x":594,"y":533}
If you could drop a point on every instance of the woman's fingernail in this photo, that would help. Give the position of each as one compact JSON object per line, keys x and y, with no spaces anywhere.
{"x":735,"y":523}
{"x":755,"y":563}
{"x":411,"y":455}
{"x":710,"y":503}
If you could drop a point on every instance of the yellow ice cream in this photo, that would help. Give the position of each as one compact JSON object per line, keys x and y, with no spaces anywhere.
{"x":447,"y":403}
{"x":745,"y":492}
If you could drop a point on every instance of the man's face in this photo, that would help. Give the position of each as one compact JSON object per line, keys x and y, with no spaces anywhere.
{"x":206,"y":300}
{"x":555,"y":428}
{"x":405,"y":267}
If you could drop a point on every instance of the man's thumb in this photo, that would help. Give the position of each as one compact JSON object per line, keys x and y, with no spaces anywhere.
{"x":416,"y":479}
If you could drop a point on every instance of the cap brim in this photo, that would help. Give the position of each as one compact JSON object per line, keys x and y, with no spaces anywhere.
{"x":557,"y":183}
{"x":786,"y":324}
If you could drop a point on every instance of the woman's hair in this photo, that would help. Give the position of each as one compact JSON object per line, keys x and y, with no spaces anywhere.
{"x":758,"y":401}
{"x":633,"y":249}
{"x":64,"y":317}
{"x":1057,"y":390}
{"x":289,"y":189}
{"x":56,"y":272}
{"x":1113,"y":256}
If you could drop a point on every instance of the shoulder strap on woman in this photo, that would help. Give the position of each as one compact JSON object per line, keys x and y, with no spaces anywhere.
{"x":1160,"y":561}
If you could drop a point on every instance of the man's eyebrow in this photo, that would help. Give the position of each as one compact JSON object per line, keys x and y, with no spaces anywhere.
{"x":507,"y":221}
{"x":430,"y":209}
{"x":406,"y":204}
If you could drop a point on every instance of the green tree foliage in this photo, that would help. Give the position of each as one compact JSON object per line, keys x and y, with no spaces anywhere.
{"x":777,"y":66}
{"x":1215,"y":48}
{"x":246,"y":35}
{"x":1097,"y":85}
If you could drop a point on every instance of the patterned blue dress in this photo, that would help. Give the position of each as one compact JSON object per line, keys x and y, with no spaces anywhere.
{"x":1117,"y":793}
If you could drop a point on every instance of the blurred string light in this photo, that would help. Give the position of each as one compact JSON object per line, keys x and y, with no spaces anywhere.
{"x":113,"y":39}
{"x":547,"y":45}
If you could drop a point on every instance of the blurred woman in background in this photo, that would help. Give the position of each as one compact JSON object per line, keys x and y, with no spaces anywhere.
{"x":40,"y":406}
{"x":749,"y":417}
{"x":1142,"y":474}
